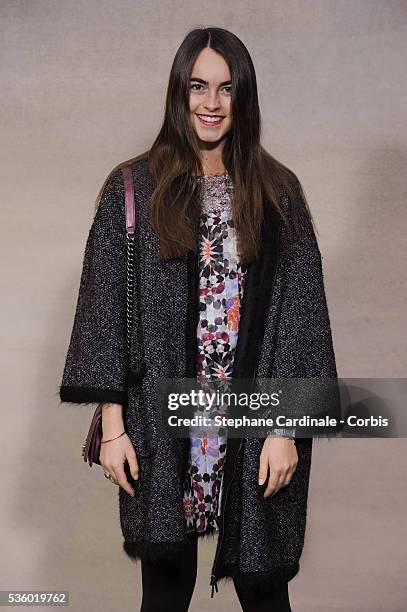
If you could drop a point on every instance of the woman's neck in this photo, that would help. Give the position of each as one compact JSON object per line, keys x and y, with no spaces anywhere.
{"x":212,"y":162}
{"x":213,"y":169}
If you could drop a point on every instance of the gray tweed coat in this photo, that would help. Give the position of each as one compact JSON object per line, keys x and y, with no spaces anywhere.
{"x":284,"y":332}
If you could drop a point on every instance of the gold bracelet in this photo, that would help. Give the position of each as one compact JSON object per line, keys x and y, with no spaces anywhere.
{"x":103,"y":441}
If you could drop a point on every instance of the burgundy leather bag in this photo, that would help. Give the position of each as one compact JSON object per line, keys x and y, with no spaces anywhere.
{"x":93,"y":442}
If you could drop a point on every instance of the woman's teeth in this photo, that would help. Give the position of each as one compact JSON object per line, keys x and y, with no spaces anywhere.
{"x":209,"y":120}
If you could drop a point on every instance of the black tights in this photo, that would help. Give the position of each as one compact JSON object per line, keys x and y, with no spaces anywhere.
{"x":170,"y":586}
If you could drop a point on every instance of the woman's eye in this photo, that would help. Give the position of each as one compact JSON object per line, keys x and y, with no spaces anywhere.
{"x":198,"y":87}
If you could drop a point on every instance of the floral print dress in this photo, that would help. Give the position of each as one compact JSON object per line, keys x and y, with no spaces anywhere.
{"x":220,"y":294}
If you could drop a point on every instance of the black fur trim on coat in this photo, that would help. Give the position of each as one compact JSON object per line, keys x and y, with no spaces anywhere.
{"x":83,"y":395}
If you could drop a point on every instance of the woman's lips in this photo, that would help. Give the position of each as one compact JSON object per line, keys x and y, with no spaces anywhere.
{"x":217,"y":122}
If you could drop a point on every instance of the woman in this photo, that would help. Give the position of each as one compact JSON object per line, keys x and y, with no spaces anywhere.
{"x":229,"y":285}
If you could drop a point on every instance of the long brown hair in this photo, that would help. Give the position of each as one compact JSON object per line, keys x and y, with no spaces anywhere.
{"x":175,"y":157}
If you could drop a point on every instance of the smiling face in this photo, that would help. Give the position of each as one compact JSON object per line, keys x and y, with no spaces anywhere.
{"x":210,"y":97}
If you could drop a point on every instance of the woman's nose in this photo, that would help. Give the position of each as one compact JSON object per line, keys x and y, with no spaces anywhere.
{"x":212,"y":101}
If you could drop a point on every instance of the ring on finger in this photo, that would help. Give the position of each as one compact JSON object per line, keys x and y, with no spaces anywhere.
{"x":110,"y":477}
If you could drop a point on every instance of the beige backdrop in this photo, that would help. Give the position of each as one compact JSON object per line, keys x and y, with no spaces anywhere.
{"x":82,"y":88}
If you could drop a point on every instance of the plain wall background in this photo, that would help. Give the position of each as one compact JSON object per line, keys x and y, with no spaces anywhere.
{"x":82,"y":89}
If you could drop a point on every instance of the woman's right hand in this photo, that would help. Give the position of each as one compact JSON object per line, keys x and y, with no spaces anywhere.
{"x":115,"y":453}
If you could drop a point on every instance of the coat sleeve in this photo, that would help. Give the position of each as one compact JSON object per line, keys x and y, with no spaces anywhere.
{"x":305,"y":308}
{"x":305,"y":345}
{"x":96,"y":361}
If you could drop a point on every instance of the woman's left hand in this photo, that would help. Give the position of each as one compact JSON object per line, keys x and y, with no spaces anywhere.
{"x":279,"y":455}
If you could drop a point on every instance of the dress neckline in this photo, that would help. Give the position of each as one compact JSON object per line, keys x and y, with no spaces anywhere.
{"x":212,"y":176}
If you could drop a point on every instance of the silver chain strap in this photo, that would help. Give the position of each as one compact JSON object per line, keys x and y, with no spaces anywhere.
{"x":130,"y":286}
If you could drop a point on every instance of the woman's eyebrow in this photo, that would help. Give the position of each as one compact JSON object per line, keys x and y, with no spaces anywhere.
{"x":206,"y":82}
